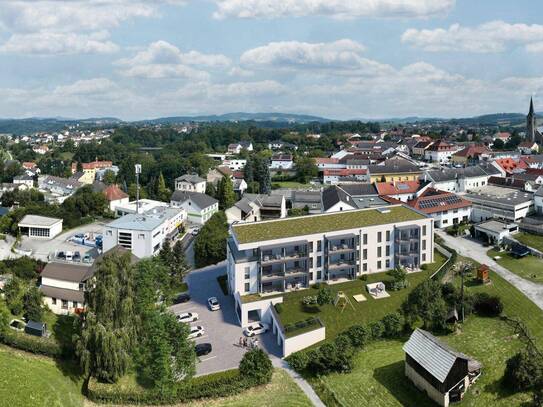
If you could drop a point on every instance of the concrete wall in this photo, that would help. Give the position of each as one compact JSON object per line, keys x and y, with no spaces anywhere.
{"x":418,"y":380}
{"x":305,"y":340}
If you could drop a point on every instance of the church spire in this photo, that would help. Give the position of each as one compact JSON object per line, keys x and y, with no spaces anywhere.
{"x":531,"y":112}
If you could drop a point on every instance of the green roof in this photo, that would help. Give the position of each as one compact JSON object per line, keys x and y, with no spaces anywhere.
{"x":312,"y":224}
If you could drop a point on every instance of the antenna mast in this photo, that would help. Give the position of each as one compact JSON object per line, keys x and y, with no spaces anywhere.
{"x":138,"y":172}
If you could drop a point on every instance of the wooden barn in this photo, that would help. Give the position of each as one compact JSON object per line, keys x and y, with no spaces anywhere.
{"x":441,"y":372}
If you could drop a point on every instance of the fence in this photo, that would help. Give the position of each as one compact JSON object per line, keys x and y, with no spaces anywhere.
{"x":450,"y":254}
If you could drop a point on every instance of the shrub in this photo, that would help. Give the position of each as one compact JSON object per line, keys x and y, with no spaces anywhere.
{"x":524,"y":370}
{"x":257,"y":365}
{"x":309,"y":300}
{"x":393,"y":325}
{"x":325,"y":296}
{"x":316,"y":286}
{"x":450,"y":293}
{"x":358,"y":335}
{"x":332,"y":358}
{"x":364,"y":277}
{"x":376,"y":329}
{"x":278,"y":307}
{"x":32,"y":344}
{"x":298,"y":361}
{"x":489,"y":305}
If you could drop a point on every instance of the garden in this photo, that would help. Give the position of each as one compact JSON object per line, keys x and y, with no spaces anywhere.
{"x":528,"y":267}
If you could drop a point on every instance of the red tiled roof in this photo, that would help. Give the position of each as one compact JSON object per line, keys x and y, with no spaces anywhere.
{"x":441,"y":146}
{"x":433,"y":200}
{"x":326,"y":160}
{"x":508,"y":164}
{"x":28,"y":165}
{"x":93,"y":165}
{"x":344,"y":172}
{"x":472,"y":151}
{"x":395,"y":188}
{"x":114,"y":193}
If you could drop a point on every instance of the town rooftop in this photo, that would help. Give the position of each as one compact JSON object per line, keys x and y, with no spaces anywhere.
{"x":311,"y":224}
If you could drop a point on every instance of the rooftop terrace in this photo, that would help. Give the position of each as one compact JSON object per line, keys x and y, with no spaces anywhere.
{"x":312,"y":224}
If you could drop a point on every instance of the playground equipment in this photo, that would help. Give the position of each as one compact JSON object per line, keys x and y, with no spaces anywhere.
{"x":342,"y":300}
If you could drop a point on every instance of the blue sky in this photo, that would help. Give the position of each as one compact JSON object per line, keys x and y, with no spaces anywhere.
{"x":342,"y":59}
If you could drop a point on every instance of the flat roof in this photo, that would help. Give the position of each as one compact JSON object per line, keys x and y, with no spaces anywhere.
{"x":311,"y":224}
{"x":36,"y":220}
{"x":498,"y":194}
{"x":495,"y":226}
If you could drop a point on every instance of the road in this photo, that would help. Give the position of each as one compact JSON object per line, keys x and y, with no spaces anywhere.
{"x":468,"y":247}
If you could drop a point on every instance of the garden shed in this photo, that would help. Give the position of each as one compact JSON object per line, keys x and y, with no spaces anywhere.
{"x":36,"y":328}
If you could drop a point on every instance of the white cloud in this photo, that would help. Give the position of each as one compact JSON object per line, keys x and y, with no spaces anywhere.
{"x":332,"y":8}
{"x":71,"y":25}
{"x":342,"y":56}
{"x":164,"y":60}
{"x":87,"y":87}
{"x":59,"y":43}
{"x":490,"y":37}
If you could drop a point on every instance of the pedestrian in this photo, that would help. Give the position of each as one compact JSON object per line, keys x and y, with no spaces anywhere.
{"x":240,"y":341}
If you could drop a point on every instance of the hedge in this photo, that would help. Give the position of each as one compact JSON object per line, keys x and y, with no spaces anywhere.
{"x":222,"y":384}
{"x":33,"y":344}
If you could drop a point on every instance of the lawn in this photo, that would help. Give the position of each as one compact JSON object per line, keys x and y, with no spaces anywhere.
{"x":292,"y":184}
{"x":28,"y":380}
{"x":528,"y":239}
{"x":334,"y":319}
{"x":528,"y":267}
{"x":379,"y":375}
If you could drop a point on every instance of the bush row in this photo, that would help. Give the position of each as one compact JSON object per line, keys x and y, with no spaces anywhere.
{"x":33,"y":344}
{"x":220,"y":384}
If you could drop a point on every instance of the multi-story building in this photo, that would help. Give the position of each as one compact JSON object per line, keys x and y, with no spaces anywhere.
{"x":190,"y":183}
{"x":276,"y":256}
{"x":495,"y":202}
{"x":446,"y":208}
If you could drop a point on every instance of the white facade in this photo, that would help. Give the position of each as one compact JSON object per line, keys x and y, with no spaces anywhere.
{"x":281,"y":165}
{"x":116,"y":203}
{"x":451,"y":217}
{"x":195,"y":214}
{"x":234,"y":165}
{"x":40,"y":227}
{"x":59,"y":305}
{"x":441,"y":156}
{"x":191,"y":187}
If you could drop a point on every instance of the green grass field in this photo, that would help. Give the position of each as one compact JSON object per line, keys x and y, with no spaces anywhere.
{"x":292,"y":184}
{"x":528,"y":239}
{"x":379,"y":376}
{"x":336,"y":321}
{"x":28,"y":380}
{"x":528,"y":267}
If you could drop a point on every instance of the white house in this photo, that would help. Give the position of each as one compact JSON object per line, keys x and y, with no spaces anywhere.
{"x":199,"y":207}
{"x":440,"y":152}
{"x":191,"y":183}
{"x":255,"y":207}
{"x":235,"y":148}
{"x":446,"y":208}
{"x":116,"y":197}
{"x":63,"y":286}
{"x":235,"y":164}
{"x":281,"y":162}
{"x":24,"y":179}
{"x":40,"y":227}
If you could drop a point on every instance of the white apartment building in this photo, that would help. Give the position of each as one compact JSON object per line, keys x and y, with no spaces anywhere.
{"x":144,"y":234}
{"x":494,"y":202}
{"x":276,"y":256}
{"x":199,"y":207}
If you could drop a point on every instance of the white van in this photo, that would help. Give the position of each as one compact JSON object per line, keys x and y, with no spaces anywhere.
{"x":69,"y":256}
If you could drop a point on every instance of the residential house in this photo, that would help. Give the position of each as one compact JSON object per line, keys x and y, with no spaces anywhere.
{"x":310,"y":200}
{"x":508,"y":166}
{"x":401,"y":190}
{"x":235,"y":148}
{"x":24,"y":179}
{"x":394,"y":169}
{"x":199,"y":207}
{"x":281,"y":145}
{"x":42,"y":149}
{"x":446,"y":208}
{"x":89,"y":170}
{"x":281,"y":161}
{"x":256,"y":207}
{"x":438,"y":370}
{"x":528,"y":147}
{"x":440,"y":152}
{"x":347,"y":197}
{"x":190,"y":183}
{"x":419,"y":149}
{"x":57,"y":189}
{"x":461,"y":179}
{"x":333,"y":176}
{"x":235,"y":164}
{"x":470,"y":155}
{"x":115,"y":197}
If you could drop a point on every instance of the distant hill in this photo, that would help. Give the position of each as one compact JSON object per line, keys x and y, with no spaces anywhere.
{"x":239,"y":117}
{"x":37,"y":124}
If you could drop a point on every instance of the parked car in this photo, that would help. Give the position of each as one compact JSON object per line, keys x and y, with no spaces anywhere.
{"x":77,"y":257}
{"x":256,"y":328}
{"x":195,"y":231}
{"x":181,"y":298}
{"x":187,"y":317}
{"x":61,"y":255}
{"x":87,"y":258}
{"x":196,"y":331}
{"x":213,"y":304}
{"x":203,"y":349}
{"x":69,"y":256}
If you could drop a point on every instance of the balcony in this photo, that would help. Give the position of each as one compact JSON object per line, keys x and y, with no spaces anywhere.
{"x":295,"y":271}
{"x":270,"y":258}
{"x":341,"y":248}
{"x":340,"y":264}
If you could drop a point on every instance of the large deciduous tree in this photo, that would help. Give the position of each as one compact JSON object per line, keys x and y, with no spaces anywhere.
{"x":210,"y":244}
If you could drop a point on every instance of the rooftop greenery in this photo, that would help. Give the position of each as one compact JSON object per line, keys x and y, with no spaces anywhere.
{"x":306,"y":225}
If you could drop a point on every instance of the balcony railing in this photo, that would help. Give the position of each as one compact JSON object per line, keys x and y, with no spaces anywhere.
{"x":341,"y":264}
{"x":341,"y":248}
{"x":268,"y":258}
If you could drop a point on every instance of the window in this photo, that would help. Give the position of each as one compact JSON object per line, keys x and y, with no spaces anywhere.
{"x":424,"y":230}
{"x":310,"y":247}
{"x":319,"y":274}
{"x":141,"y":236}
{"x":379,"y":252}
{"x":311,"y":262}
{"x":54,"y":301}
{"x":379,"y":237}
{"x":424,"y":245}
{"x":365,"y":254}
{"x":109,"y":232}
{"x":365,"y":267}
{"x":423,"y":256}
{"x":379,"y":265}
{"x":319,"y":261}
{"x":247,"y":287}
{"x":247,"y":273}
{"x":74,"y":304}
{"x":365,"y":238}
{"x":319,"y":245}
{"x":387,"y":251}
{"x":387,"y":264}
{"x":388,"y":235}
{"x":445,"y":221}
{"x":64,"y":304}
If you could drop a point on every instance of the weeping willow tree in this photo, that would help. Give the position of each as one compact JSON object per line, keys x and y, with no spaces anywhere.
{"x":107,"y":330}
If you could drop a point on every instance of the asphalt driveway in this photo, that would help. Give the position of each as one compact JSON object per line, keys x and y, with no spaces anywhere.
{"x":221,"y":327}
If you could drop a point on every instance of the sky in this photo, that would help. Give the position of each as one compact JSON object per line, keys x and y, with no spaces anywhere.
{"x":340,"y":59}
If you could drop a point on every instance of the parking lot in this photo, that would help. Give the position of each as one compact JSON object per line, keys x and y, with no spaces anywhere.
{"x":45,"y":249}
{"x":221,"y":327}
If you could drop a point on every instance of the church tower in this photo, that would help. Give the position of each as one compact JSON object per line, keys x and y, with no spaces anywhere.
{"x":531,"y":128}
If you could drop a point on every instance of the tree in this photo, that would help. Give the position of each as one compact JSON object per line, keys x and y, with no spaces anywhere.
{"x":399,"y":278}
{"x":166,"y":254}
{"x":109,"y":177}
{"x":393,"y":324}
{"x":13,"y":294}
{"x":306,"y":169}
{"x":180,"y":267}
{"x":325,"y":296}
{"x":5,"y":318}
{"x":163,"y":193}
{"x":426,"y":303}
{"x":210,"y":244}
{"x":32,"y":304}
{"x":211,"y":190}
{"x":107,"y":330}
{"x":498,"y":144}
{"x":226,"y":195}
{"x":524,"y":370}
{"x":132,"y":192}
{"x":257,"y":365}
